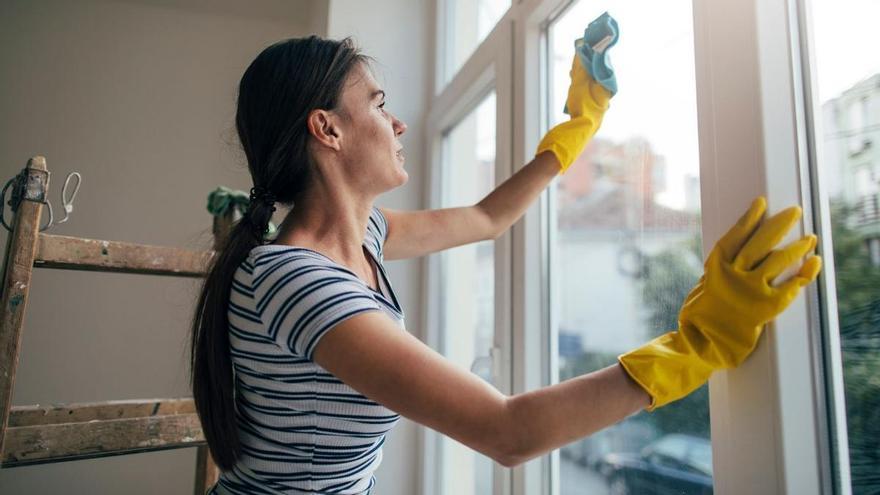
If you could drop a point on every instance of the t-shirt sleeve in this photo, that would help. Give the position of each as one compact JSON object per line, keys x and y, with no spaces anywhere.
{"x":378,"y":229}
{"x":302,"y":301}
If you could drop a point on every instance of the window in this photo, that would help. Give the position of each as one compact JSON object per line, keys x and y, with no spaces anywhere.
{"x":468,"y":285}
{"x":874,"y":250}
{"x":861,"y":181}
{"x":627,"y":246}
{"x":854,"y":82}
{"x":856,"y":116}
{"x":585,"y":283}
{"x":468,"y":24}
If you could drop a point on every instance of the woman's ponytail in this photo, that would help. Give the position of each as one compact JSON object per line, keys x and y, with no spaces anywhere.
{"x":211,"y":376}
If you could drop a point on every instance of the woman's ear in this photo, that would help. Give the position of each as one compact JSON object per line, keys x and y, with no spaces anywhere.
{"x":323,"y":127}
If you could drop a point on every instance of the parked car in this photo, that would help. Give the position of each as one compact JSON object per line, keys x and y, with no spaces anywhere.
{"x":674,"y":464}
{"x":627,"y":436}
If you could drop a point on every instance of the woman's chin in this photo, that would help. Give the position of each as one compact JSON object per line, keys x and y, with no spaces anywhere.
{"x":405,"y":176}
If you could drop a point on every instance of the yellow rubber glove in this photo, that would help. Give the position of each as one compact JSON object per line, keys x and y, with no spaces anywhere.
{"x":587,"y":101}
{"x":723,"y":316}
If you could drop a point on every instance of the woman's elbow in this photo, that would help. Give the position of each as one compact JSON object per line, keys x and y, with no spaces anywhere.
{"x":510,"y":449}
{"x":510,"y":461}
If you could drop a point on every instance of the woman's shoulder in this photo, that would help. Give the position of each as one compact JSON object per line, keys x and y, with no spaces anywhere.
{"x":377,"y":231}
{"x":271,"y":266}
{"x":378,"y":222}
{"x":297,"y":294}
{"x":269,"y":258}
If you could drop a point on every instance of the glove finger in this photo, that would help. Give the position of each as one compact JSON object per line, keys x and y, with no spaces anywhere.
{"x":808,"y":272}
{"x":731,"y":242}
{"x":811,"y":269}
{"x":768,"y":235}
{"x":780,"y":260}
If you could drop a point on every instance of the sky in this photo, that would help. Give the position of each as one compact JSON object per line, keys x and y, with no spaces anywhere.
{"x":843,"y":31}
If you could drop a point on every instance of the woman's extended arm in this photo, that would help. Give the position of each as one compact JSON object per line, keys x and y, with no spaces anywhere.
{"x":719,"y":326}
{"x":414,"y":233}
{"x":507,"y":203}
{"x":371,"y":354}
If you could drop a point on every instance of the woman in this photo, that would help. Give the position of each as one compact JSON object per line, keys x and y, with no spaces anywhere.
{"x":289,"y":406}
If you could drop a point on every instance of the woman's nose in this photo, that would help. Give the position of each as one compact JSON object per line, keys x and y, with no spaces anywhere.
{"x":399,"y":127}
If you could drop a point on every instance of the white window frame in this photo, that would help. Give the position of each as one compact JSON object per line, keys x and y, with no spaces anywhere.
{"x":488,"y":69}
{"x":771,"y":418}
{"x":756,"y":120}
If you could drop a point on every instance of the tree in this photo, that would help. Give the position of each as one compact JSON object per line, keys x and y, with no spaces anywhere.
{"x":669,"y":277}
{"x":858,"y":305}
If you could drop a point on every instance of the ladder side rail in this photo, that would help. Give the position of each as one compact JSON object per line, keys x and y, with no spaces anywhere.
{"x":18,"y":268}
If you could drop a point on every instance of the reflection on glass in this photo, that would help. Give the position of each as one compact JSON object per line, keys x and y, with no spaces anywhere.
{"x":470,"y":22}
{"x":628,"y":245}
{"x":468,"y":287}
{"x":849,"y":90}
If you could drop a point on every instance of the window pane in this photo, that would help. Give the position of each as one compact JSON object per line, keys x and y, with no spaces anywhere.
{"x":469,"y":21}
{"x":628,"y":245}
{"x":468,"y":285}
{"x":848,"y":77}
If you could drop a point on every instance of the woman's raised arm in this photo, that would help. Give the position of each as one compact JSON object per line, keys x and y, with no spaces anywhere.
{"x":417,"y":233}
{"x":421,"y":232}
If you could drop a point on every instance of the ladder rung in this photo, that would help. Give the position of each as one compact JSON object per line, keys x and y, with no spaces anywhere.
{"x":90,"y":411}
{"x":38,"y":435}
{"x":76,"y":253}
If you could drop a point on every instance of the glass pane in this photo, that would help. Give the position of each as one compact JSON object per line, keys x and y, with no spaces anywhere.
{"x":848,"y":78}
{"x":628,"y":246}
{"x":468,"y":285}
{"x":469,"y":21}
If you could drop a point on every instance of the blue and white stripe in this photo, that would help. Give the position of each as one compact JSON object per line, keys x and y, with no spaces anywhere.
{"x":302,"y":430}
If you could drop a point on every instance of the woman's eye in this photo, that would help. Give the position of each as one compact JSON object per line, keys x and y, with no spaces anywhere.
{"x":382,"y":106}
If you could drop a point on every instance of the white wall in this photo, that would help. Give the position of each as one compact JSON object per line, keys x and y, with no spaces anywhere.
{"x":399,"y":34}
{"x":139,"y":96}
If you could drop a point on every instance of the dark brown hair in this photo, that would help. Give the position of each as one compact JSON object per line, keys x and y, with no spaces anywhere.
{"x":277,"y":91}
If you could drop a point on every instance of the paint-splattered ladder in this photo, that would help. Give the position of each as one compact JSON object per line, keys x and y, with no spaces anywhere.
{"x":36,"y":434}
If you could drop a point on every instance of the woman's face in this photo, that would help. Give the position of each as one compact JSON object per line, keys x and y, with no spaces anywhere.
{"x":369,"y":143}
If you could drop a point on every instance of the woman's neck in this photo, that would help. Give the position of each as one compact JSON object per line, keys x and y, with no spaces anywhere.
{"x":336,"y":231}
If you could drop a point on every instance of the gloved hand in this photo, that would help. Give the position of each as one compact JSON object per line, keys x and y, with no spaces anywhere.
{"x":723,"y":316}
{"x":586,"y":103}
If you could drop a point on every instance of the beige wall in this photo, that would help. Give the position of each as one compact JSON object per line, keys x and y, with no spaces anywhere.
{"x":139,"y":97}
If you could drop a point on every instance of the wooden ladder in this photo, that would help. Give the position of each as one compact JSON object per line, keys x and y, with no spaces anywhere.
{"x":47,"y":434}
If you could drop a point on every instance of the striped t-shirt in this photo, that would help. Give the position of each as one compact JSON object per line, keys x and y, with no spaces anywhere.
{"x":302,"y":430}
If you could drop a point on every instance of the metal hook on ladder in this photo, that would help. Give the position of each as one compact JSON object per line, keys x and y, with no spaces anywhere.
{"x":30,"y":184}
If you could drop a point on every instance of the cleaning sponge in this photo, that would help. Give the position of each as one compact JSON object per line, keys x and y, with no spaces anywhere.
{"x":592,"y":50}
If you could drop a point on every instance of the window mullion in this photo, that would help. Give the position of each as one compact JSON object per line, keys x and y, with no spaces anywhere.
{"x":531,"y":326}
{"x":489,"y":68}
{"x":766,"y":428}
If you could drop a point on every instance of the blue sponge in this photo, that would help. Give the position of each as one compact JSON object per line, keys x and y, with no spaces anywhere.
{"x":592,"y":49}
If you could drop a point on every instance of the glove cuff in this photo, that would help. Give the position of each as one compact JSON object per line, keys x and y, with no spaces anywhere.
{"x":568,"y":139}
{"x":666,"y":368}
